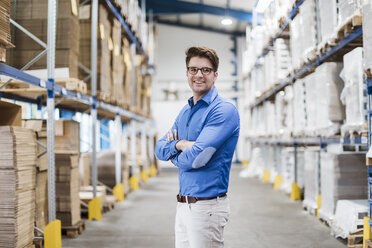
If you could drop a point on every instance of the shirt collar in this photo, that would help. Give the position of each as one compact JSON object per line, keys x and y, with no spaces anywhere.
{"x":208,"y":98}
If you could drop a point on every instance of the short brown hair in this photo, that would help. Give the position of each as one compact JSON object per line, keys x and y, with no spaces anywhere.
{"x":203,"y":52}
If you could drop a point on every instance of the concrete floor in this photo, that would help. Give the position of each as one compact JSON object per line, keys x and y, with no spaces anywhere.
{"x":260,"y":217}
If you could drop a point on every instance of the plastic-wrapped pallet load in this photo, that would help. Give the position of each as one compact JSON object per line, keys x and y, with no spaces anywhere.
{"x":287,"y":131}
{"x":296,"y":44}
{"x":311,"y":180}
{"x":311,"y":98}
{"x":330,"y":111}
{"x":309,"y":32}
{"x":327,"y":10}
{"x":347,"y":9}
{"x":349,"y":217}
{"x":287,"y":165}
{"x":367,"y":35}
{"x":270,"y":70}
{"x":269,"y":117}
{"x":343,"y":176}
{"x":282,"y":59}
{"x":353,"y":96}
{"x":280,"y":112}
{"x":299,"y":109}
{"x":17,"y":186}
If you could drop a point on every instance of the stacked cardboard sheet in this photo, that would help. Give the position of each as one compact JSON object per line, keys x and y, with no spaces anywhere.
{"x":41,"y":207}
{"x":67,"y":188}
{"x":17,"y":186}
{"x":5,"y":38}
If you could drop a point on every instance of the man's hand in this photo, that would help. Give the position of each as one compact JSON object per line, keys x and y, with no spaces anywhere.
{"x":184,"y":144}
{"x":171,"y":137}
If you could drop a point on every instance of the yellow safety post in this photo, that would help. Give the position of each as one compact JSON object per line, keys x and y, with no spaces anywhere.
{"x":278,"y":181}
{"x":94,"y":209}
{"x":366,"y":231}
{"x":319,"y":204}
{"x":145,"y":176}
{"x":296,"y":192}
{"x":266,"y":176}
{"x":134,"y":182}
{"x":52,"y":235}
{"x":245,"y":163}
{"x":119,"y":192}
{"x":153,"y":171}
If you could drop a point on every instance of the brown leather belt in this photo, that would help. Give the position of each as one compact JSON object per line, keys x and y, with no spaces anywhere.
{"x":190,"y":199}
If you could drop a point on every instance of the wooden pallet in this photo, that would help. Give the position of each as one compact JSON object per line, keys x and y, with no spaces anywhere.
{"x":353,"y":23}
{"x":109,"y":204}
{"x":355,"y":239}
{"x":75,"y":230}
{"x":38,"y":243}
{"x":368,"y":243}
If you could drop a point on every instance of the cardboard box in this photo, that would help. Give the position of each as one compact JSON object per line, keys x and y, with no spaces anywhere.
{"x":11,"y":114}
{"x":84,"y":165}
{"x":67,"y":136}
{"x":41,"y":206}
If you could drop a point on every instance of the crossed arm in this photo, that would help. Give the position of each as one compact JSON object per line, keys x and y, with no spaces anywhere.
{"x":181,"y":145}
{"x":221,"y":125}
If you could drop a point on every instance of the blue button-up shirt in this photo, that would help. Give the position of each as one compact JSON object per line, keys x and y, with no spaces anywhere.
{"x":213,"y":123}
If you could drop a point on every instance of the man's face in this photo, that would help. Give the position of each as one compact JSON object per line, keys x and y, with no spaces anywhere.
{"x":200,"y":83}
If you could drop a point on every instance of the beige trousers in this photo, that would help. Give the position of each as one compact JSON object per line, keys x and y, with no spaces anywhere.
{"x":201,"y":224}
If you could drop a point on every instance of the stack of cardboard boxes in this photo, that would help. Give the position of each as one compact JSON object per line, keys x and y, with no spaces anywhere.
{"x":41,"y":201}
{"x":67,"y":149}
{"x":17,"y":179}
{"x":104,"y":49}
{"x":5,"y":39}
{"x":33,"y":15}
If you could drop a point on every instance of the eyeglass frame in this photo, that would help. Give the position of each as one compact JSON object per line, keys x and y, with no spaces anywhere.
{"x":201,"y":70}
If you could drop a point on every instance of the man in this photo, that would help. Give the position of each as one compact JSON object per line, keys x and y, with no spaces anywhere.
{"x":201,"y":144}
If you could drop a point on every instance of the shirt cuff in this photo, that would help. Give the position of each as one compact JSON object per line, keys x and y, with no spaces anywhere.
{"x":172,"y":146}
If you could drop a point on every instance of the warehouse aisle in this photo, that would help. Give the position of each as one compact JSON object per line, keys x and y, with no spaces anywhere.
{"x":260,"y":217}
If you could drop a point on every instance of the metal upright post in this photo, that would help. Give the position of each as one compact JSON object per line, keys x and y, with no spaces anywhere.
{"x":94,"y":91}
{"x":133,"y":138}
{"x":133,"y":76}
{"x":50,"y":106}
{"x":118,"y":150}
{"x":143,"y":146}
{"x":295,"y":162}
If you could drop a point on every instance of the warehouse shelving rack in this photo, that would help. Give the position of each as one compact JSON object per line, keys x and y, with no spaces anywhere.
{"x":307,"y":68}
{"x":85,"y":100}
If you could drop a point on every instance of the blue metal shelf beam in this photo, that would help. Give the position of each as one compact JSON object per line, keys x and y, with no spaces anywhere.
{"x":357,"y":140}
{"x":208,"y":29}
{"x":309,"y":66}
{"x":59,"y":90}
{"x":166,"y":7}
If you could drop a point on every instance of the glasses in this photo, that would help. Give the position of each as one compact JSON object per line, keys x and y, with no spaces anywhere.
{"x":203,"y":70}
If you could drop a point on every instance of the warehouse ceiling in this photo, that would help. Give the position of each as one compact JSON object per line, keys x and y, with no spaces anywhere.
{"x":203,"y":14}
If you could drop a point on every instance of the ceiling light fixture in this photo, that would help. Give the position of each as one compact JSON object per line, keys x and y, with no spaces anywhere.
{"x":226,"y":21}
